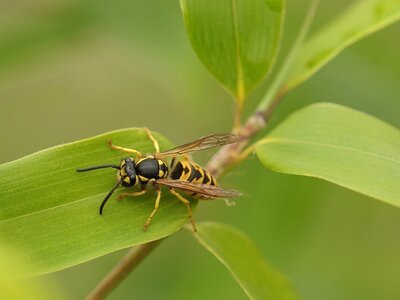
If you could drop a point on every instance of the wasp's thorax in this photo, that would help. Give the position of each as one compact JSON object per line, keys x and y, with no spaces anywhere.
{"x":149,"y":168}
{"x":127,"y":172}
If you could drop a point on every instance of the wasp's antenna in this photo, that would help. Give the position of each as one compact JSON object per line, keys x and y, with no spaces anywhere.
{"x":97,"y":167}
{"x":109,"y":195}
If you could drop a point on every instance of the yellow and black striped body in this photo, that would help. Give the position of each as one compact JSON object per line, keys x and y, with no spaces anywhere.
{"x":192,"y":172}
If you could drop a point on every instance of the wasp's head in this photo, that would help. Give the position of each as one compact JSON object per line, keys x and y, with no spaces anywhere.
{"x":127,"y":172}
{"x":126,"y":176}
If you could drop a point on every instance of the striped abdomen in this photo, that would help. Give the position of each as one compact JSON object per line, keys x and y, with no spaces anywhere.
{"x":192,"y":172}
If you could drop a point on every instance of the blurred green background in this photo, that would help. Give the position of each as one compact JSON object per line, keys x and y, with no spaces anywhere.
{"x":73,"y":69}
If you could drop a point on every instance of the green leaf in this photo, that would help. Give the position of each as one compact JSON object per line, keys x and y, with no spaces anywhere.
{"x":237,"y":40}
{"x":49,"y":212}
{"x":243,"y":259}
{"x":340,"y":145}
{"x":358,"y":21}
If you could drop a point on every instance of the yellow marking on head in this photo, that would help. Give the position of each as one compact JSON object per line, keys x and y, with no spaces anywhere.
{"x":142,"y":178}
{"x":127,"y":180}
{"x":160,"y":162}
{"x":122,"y":171}
{"x":160,"y":173}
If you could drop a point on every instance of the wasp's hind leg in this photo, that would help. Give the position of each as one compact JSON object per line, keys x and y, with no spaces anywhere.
{"x":156,"y":205}
{"x":127,"y":150}
{"x":151,"y":137}
{"x":187,"y":203}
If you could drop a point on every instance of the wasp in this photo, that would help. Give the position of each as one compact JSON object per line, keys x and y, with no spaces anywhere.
{"x":184,"y":175}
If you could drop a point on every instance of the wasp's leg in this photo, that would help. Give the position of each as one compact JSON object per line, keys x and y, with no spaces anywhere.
{"x":151,"y":137}
{"x":128,"y":150}
{"x":143,"y":191}
{"x":229,"y":202}
{"x":187,"y":203}
{"x":157,"y":204}
{"x":134,"y":194}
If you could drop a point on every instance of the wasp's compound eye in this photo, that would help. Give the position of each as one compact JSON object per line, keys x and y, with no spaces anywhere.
{"x":133,"y":179}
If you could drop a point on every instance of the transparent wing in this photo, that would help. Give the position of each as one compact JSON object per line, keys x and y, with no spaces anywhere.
{"x":206,"y":142}
{"x":207,"y":191}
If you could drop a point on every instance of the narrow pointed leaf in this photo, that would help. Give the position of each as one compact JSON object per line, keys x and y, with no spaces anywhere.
{"x":359,"y":20}
{"x":49,"y":212}
{"x":237,"y":40}
{"x":338,"y":144}
{"x":244,"y":261}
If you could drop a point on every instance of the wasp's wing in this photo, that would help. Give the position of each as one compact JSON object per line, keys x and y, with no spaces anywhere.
{"x":207,"y":191}
{"x":206,"y":142}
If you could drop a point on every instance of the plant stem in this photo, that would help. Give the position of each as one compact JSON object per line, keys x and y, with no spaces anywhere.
{"x":231,"y":154}
{"x":226,"y":156}
{"x":128,"y":263}
{"x":237,"y":116}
